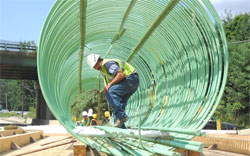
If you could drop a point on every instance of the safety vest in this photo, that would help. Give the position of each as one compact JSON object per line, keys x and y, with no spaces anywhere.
{"x":127,"y":69}
{"x":93,"y":122}
{"x":85,"y":122}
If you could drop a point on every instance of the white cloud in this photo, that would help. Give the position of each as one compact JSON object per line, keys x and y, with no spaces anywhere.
{"x":236,"y":6}
{"x":215,"y":1}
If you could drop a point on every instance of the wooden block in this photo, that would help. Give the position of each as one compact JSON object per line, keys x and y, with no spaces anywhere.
{"x":19,"y":131}
{"x":212,"y":147}
{"x":11,"y":132}
{"x":234,"y":144}
{"x":9,"y":127}
{"x":32,"y":140}
{"x":180,"y":150}
{"x":42,"y":151}
{"x":193,"y":153}
{"x":14,"y":146}
{"x":19,"y":140}
{"x":185,"y":152}
{"x":7,"y":132}
{"x":79,"y":149}
{"x":36,"y":135}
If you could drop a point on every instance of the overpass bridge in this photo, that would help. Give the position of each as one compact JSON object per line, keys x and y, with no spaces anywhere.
{"x":18,"y":65}
{"x":18,"y":62}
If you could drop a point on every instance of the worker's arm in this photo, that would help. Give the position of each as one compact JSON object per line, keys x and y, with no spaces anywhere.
{"x":118,"y":77}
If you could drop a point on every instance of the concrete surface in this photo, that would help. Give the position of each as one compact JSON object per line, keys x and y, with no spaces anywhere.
{"x":14,"y":119}
{"x":48,"y":129}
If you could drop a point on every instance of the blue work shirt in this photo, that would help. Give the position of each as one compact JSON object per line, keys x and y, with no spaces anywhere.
{"x":112,"y":67}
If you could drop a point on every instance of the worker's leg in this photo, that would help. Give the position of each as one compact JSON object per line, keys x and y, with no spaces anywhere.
{"x":134,"y":83}
{"x":133,"y":80}
{"x":119,"y":94}
{"x":114,"y":96}
{"x":115,"y":117}
{"x":123,"y":126}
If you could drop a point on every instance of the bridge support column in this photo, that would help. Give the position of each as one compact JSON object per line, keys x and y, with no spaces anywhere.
{"x":43,"y":113}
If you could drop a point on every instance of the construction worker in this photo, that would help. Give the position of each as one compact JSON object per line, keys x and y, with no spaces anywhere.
{"x":107,"y":115}
{"x":94,"y":122}
{"x":90,"y":114}
{"x":74,"y":119}
{"x":106,"y":118}
{"x":85,"y":120}
{"x":121,"y":80}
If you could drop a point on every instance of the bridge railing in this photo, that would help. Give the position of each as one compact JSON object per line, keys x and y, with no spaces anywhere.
{"x":17,"y":46}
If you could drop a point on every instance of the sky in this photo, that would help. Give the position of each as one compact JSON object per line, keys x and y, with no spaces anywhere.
{"x":22,"y":20}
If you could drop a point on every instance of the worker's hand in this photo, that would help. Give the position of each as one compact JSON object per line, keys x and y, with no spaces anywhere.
{"x":106,"y":88}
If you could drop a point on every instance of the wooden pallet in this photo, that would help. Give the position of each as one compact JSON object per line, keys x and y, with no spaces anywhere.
{"x":18,"y":139}
{"x":5,"y":133}
{"x":230,"y":143}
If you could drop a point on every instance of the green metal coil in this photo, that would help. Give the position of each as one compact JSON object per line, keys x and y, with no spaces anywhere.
{"x":182,"y":65}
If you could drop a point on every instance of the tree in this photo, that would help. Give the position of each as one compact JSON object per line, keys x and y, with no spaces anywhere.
{"x":13,"y":88}
{"x":235,"y":103}
{"x":238,"y":29}
{"x":88,"y":100}
{"x":28,"y":46}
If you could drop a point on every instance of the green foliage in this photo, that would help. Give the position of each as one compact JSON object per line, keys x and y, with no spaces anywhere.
{"x":12,"y":114}
{"x":235,"y":104}
{"x":238,"y":28}
{"x":13,"y":90}
{"x":88,"y":100}
{"x":32,"y":113}
{"x":8,"y":114}
{"x":26,"y":45}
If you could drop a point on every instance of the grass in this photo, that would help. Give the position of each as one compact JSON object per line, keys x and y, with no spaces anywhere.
{"x":9,"y":114}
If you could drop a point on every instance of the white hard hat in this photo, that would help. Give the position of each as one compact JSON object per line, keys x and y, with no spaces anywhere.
{"x":90,"y":112}
{"x":92,"y":60}
{"x":84,"y":113}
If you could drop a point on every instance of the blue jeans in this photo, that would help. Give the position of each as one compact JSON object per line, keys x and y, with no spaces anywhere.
{"x":118,"y":95}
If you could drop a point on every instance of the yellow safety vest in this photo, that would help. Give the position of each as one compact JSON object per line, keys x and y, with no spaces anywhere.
{"x":127,"y":69}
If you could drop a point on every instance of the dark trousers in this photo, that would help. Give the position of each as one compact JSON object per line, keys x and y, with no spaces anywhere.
{"x":119,"y":93}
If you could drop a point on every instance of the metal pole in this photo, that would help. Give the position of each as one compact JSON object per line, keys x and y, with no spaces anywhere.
{"x":22,"y":98}
{"x":83,"y":10}
{"x":6,"y":101}
{"x":157,"y":22}
{"x":99,"y":100}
